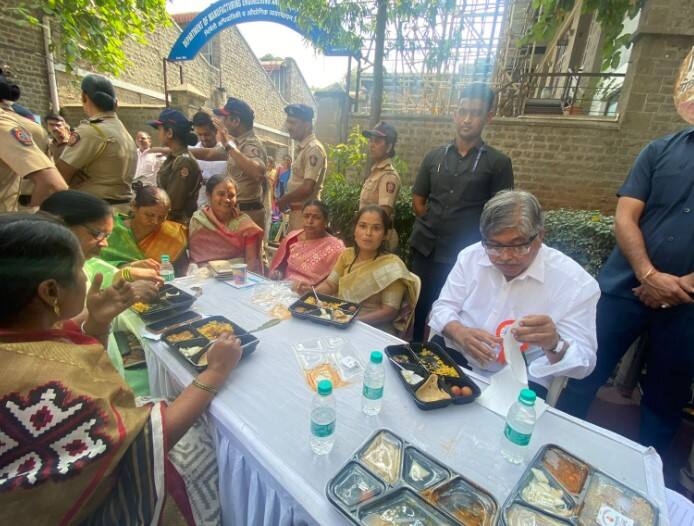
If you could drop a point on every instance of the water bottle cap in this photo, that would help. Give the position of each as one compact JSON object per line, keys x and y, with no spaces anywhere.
{"x":325,"y":387}
{"x":376,"y":356}
{"x":527,"y":397}
{"x":164,"y":258}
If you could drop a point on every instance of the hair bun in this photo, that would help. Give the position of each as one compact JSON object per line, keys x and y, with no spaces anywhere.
{"x":191,"y":139}
{"x":104,"y":101}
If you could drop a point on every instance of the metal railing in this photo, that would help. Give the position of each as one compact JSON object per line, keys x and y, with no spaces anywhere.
{"x":568,"y":93}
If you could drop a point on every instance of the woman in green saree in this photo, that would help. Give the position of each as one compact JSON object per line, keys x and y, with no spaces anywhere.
{"x":76,"y":449}
{"x":367,"y":274}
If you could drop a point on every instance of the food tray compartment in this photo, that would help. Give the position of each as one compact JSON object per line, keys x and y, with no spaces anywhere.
{"x":518,"y":514}
{"x":171,"y":300}
{"x":382,"y":455}
{"x":607,"y":501}
{"x":352,"y":486}
{"x":539,"y":490}
{"x":402,"y":506}
{"x":435,"y":392}
{"x":178,"y":335}
{"x":248,"y":341}
{"x":436,"y":360}
{"x":574,"y":478}
{"x":421,"y":471}
{"x":464,"y":501}
{"x":312,"y":311}
{"x":176,"y":320}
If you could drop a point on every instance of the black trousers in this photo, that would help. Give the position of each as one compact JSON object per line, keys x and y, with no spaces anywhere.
{"x":669,"y":364}
{"x":433,"y":276}
{"x":540,"y":390}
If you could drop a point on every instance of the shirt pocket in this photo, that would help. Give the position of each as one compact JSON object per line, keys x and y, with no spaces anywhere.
{"x":672,"y":183}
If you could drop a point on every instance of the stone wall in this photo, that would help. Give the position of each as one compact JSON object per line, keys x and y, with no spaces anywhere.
{"x":297,"y":88}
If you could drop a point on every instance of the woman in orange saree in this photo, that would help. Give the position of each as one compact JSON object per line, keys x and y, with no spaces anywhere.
{"x":148,"y":234}
{"x":74,"y":448}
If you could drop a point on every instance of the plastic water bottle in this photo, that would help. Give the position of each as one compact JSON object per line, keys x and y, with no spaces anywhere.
{"x":166,"y":270}
{"x":520,"y":422}
{"x":374,"y":378}
{"x":323,"y":417}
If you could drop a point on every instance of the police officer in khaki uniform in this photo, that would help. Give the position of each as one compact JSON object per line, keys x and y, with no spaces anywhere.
{"x":382,"y":186}
{"x":101,"y":156}
{"x":21,"y":159}
{"x":59,"y":132}
{"x":179,"y":175}
{"x":245,"y":155}
{"x":309,"y":167}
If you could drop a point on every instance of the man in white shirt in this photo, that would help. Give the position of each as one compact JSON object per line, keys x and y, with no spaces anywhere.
{"x":205,"y":129}
{"x":148,"y":163}
{"x":511,"y":275}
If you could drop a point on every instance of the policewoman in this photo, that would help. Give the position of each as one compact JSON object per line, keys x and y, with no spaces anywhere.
{"x":100,"y":157}
{"x":382,"y":186}
{"x":179,"y":174}
{"x":309,"y":166}
{"x":21,"y":158}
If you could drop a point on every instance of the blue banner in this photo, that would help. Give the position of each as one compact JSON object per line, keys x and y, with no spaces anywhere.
{"x":226,"y":13}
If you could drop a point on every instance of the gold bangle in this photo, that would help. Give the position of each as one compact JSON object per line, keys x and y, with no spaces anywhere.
{"x":127,"y":274}
{"x":204,"y":387}
{"x":645,"y":276}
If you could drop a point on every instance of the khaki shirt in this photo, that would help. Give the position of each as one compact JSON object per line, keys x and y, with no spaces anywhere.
{"x":105,"y":155}
{"x":249,"y":189}
{"x":19,"y":157}
{"x":382,"y":186}
{"x":55,"y":148}
{"x":179,"y":175}
{"x":310,"y":162}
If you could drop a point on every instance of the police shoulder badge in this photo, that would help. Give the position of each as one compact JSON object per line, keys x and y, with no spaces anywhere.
{"x":313,"y":160}
{"x":390,"y":187}
{"x":74,"y":138}
{"x":22,"y":136}
{"x":185,"y":172}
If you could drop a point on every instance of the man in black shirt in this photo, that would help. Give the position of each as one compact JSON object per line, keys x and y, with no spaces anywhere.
{"x":452,"y":186}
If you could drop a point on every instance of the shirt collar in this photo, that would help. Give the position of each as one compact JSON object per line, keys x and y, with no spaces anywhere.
{"x":306,"y":140}
{"x":689,"y":131}
{"x":241,"y":138}
{"x":103,"y":115}
{"x":536,"y":270}
{"x":385,"y":163}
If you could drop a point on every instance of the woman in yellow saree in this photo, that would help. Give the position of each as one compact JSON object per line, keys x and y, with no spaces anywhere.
{"x":75,"y":448}
{"x":148,"y":234}
{"x":366,"y":274}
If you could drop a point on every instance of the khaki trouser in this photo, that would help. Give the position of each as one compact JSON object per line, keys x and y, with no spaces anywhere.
{"x":258,"y":217}
{"x":296,"y":220}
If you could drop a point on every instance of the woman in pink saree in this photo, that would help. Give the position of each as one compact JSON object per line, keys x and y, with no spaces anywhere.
{"x":221,"y":231}
{"x":308,"y":255}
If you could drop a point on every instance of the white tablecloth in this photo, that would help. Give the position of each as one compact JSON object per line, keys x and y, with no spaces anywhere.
{"x":268,"y":473}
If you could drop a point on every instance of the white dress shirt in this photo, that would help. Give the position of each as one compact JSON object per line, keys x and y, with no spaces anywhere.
{"x":208,"y":169}
{"x":147,"y":167}
{"x":478,"y":295}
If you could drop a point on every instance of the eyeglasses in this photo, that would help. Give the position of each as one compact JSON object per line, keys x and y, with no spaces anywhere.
{"x":98,"y":235}
{"x":521,"y":249}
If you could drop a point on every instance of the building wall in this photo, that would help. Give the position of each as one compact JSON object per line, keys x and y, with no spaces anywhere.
{"x":297,"y":89}
{"x":238,"y":72}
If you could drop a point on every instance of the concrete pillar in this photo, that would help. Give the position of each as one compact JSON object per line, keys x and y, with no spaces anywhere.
{"x":187,"y":98}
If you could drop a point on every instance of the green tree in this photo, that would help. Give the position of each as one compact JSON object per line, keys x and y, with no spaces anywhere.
{"x":349,"y":22}
{"x":610,"y":14}
{"x":95,"y":31}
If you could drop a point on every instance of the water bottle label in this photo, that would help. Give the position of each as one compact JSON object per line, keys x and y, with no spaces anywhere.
{"x":322,"y":430}
{"x":372,"y":393}
{"x":520,"y":439}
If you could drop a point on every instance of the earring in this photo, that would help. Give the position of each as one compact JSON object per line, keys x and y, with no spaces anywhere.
{"x":56,"y":309}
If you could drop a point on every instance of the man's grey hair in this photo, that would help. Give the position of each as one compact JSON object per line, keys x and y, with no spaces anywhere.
{"x":512,"y":209}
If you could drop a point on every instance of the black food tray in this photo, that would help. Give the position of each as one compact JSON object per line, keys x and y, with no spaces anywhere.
{"x":248,"y":341}
{"x":167,"y":304}
{"x":308,"y":311}
{"x":175,"y":320}
{"x":410,"y":353}
{"x":575,"y":501}
{"x":423,"y":492}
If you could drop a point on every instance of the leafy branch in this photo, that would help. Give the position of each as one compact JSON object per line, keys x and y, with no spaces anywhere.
{"x":95,"y":31}
{"x":610,"y":14}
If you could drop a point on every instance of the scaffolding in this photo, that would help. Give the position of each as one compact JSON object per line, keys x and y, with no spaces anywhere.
{"x":427,"y":61}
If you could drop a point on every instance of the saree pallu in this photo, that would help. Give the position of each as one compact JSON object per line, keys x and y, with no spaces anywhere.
{"x":210,"y":239}
{"x":74,"y":448}
{"x":308,"y":261}
{"x":170,"y":239}
{"x":372,"y":277}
